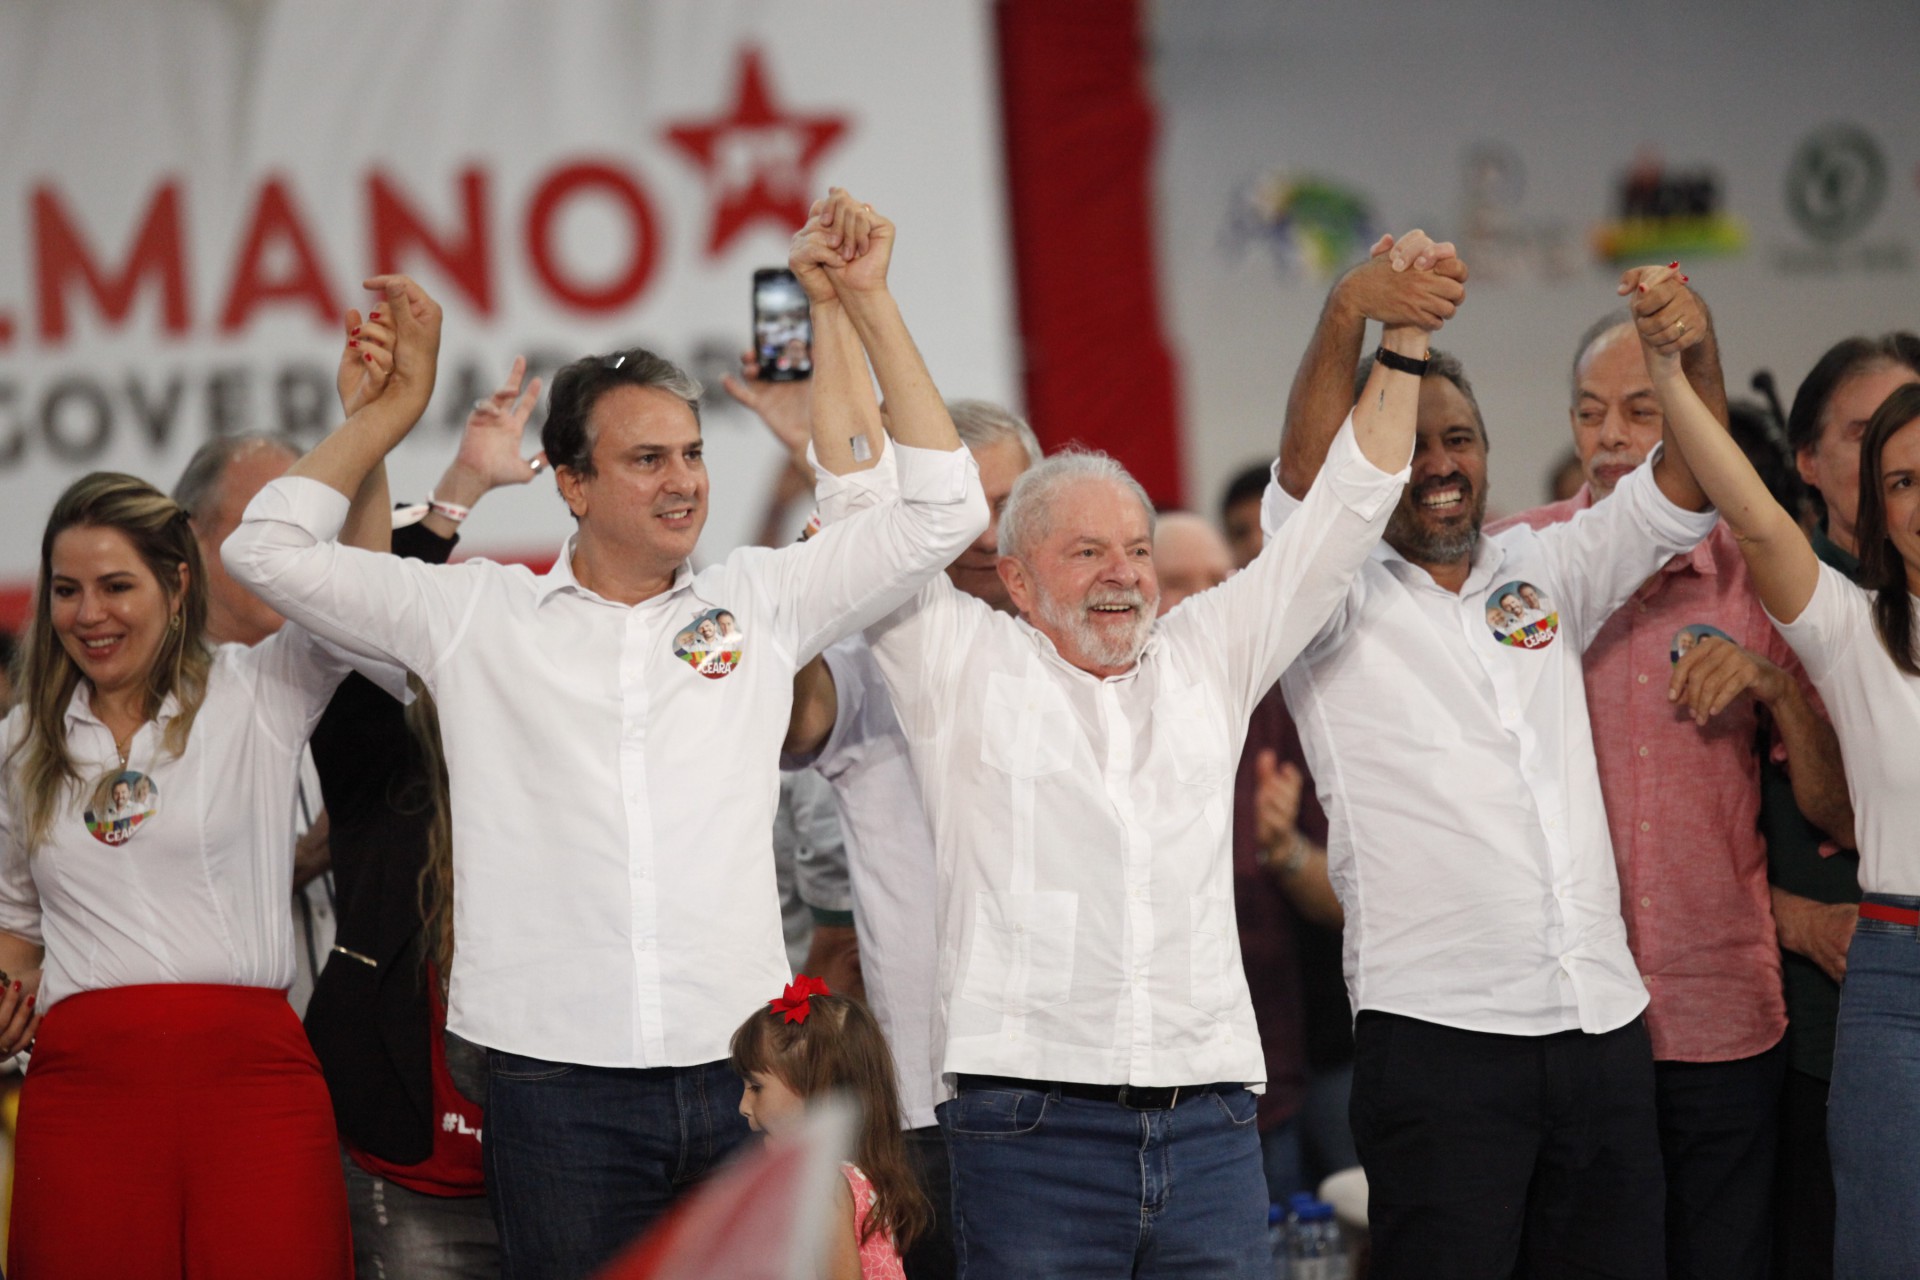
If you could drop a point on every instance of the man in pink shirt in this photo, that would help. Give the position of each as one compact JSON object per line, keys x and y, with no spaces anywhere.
{"x":1676,"y":682}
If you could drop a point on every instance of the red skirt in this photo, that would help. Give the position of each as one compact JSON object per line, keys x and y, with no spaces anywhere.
{"x":176,"y":1131}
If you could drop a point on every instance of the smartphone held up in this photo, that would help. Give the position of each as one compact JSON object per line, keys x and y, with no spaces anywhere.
{"x":782,"y":330}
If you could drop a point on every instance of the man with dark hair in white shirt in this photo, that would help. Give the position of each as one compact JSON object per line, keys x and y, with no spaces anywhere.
{"x":1503,"y":1094}
{"x":1075,"y":764}
{"x":617,"y":911}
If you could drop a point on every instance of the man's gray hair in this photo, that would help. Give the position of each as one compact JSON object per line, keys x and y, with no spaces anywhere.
{"x":198,"y":487}
{"x":1028,"y":516}
{"x":982,"y":423}
{"x":1599,"y":329}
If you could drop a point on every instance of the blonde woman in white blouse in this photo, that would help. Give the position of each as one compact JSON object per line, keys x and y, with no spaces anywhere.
{"x":174,"y":1121}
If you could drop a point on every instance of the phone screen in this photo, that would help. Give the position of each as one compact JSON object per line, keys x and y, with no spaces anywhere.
{"x":782,"y":331}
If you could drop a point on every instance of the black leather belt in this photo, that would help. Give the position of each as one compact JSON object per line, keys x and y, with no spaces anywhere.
{"x":1132,"y":1096}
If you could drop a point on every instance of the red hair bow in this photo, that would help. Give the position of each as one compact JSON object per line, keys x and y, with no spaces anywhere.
{"x":791,"y":1004}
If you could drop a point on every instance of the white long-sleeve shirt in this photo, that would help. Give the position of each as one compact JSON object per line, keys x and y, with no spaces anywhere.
{"x":1083,"y":826}
{"x":614,"y":900}
{"x":1455,"y":761}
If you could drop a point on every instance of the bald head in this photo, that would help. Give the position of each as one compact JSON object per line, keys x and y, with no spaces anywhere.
{"x":1189,"y":555}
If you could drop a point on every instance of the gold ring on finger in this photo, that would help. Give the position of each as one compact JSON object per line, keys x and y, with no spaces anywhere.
{"x":1680,"y":326}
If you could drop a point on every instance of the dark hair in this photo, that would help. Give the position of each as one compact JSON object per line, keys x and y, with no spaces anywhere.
{"x":1758,"y":433}
{"x":840,"y":1047}
{"x":1246,"y":486}
{"x":566,"y":437}
{"x":1841,"y":361}
{"x":1881,"y":568}
{"x":1440,"y":364}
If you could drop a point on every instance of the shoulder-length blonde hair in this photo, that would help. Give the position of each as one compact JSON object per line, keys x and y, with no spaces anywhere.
{"x":157,"y":526}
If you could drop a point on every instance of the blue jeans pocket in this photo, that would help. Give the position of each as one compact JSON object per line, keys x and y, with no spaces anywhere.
{"x":512,"y":1066}
{"x":1239,"y":1106}
{"x":994,"y":1113}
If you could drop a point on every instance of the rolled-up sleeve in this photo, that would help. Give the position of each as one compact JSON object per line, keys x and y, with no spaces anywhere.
{"x":368,"y":603}
{"x":860,"y":569}
{"x":19,"y":896}
{"x":1270,"y":611}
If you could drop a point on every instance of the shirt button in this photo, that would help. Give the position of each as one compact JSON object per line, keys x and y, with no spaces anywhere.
{"x":1643,"y":679}
{"x":1643,"y":751}
{"x":1646,"y":902}
{"x":1646,"y":826}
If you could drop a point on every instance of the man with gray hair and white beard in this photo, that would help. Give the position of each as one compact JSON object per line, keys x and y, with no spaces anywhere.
{"x":1076,"y":768}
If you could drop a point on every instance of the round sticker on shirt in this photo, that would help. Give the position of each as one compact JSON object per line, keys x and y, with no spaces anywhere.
{"x":1519,"y":614}
{"x":711,"y":644}
{"x":1687,"y":637}
{"x":124,"y":801}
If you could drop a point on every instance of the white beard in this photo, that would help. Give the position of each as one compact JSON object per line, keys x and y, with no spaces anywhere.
{"x":1102,"y":649}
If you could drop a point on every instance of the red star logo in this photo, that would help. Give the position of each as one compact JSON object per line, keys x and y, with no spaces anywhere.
{"x":758,"y":160}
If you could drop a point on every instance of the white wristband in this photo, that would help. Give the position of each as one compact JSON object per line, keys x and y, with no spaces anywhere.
{"x":448,"y":510}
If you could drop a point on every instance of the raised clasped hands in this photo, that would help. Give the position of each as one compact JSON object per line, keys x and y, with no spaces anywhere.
{"x":398,"y":349}
{"x":1668,"y":315}
{"x":843,"y":251}
{"x":1409,"y":281}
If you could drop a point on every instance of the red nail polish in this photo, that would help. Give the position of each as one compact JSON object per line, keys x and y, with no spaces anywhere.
{"x":29,"y":1002}
{"x":1643,"y":288}
{"x":367,"y":356}
{"x":355,"y":333}
{"x":16,"y":984}
{"x":1683,"y":279}
{"x":374,"y":316}
{"x":1673,"y":266}
{"x":353,"y":344}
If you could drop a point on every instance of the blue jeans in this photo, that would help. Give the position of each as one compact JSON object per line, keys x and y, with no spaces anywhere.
{"x":1873,"y":1112}
{"x":582,"y":1160}
{"x":1047,"y":1187}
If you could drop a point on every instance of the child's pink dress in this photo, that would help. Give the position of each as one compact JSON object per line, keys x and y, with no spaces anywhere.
{"x":878,"y":1258}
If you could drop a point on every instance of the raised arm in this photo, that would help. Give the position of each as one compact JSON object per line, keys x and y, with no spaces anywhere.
{"x":489,"y":457}
{"x":916,"y":415}
{"x":345,"y":459}
{"x":1783,"y":564}
{"x":1410,"y":282}
{"x":848,"y":431}
{"x":1662,"y":307}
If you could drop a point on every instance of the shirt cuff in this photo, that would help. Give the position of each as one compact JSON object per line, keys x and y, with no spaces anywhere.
{"x":318,"y":508}
{"x":1360,"y":486}
{"x":1671,"y":523}
{"x":934,"y":475}
{"x":836,"y":497}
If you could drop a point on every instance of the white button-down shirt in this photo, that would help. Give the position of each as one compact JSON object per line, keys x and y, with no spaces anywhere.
{"x":1455,"y":761}
{"x":1083,"y":826}
{"x":890,"y":861}
{"x":613,"y":779}
{"x":189,"y":880}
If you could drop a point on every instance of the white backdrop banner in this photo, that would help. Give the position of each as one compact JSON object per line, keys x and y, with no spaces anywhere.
{"x":191,"y":193}
{"x":1771,"y":147}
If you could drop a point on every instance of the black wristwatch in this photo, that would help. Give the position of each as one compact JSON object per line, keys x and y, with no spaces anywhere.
{"x":1402,"y":364}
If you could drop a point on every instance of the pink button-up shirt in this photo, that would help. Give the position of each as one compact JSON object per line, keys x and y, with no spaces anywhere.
{"x":1683,"y":804}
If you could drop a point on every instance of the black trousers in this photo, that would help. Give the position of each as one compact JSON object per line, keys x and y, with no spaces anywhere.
{"x":1803,"y":1183}
{"x":931,"y":1255}
{"x":1719,"y":1126}
{"x":1485,"y":1153}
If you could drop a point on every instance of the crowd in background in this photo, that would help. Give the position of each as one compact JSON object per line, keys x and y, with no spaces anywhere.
{"x":1556,"y":870}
